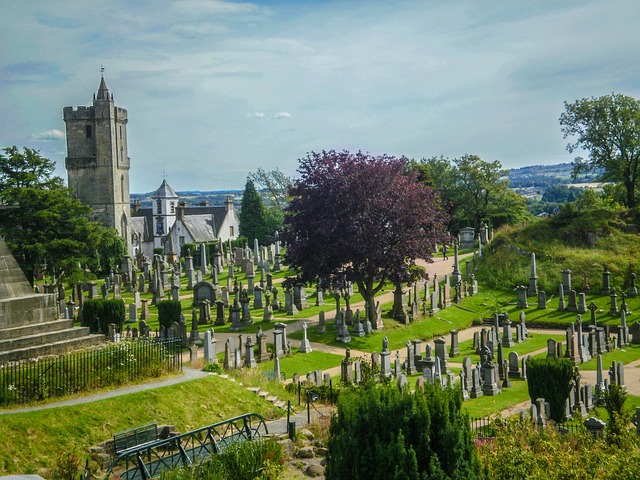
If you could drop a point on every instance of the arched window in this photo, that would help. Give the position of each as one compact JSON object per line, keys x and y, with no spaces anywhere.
{"x":159,"y":206}
{"x":159,"y":226}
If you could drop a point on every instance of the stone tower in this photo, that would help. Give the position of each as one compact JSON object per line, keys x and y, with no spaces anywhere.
{"x":97,"y":161}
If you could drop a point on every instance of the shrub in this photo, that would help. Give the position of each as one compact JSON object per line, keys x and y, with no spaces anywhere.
{"x":257,"y":459}
{"x":400,"y":435}
{"x":212,"y":368}
{"x":98,"y":313}
{"x":168,"y":312}
{"x":551,"y":379}
{"x":614,"y":399}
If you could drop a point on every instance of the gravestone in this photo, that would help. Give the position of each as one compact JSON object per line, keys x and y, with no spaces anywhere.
{"x":305,"y":346}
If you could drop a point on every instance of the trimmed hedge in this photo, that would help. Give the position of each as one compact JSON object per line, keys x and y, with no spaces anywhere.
{"x":551,"y":379}
{"x":168,"y":312}
{"x":98,"y":313}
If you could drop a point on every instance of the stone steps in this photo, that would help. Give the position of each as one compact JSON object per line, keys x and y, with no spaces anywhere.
{"x":52,"y":348}
{"x":37,"y":339}
{"x":33,"y":329}
{"x":269,"y":398}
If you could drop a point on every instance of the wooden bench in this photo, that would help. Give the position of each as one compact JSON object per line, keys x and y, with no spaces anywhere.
{"x":135,"y":437}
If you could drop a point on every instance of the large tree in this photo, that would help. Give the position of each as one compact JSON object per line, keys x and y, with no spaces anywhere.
{"x":276,"y":185}
{"x":273,"y":185}
{"x":472,"y":190}
{"x":608,"y":128}
{"x":252,"y":214}
{"x":360,"y":216}
{"x":43,"y":225}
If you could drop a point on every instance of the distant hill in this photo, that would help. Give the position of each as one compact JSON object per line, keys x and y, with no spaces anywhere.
{"x":543,"y":176}
{"x":194,"y":197}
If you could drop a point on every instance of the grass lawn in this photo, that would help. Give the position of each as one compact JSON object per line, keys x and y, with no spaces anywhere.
{"x":554,"y":318}
{"x":301,"y":363}
{"x":625,"y":355}
{"x":489,"y":405}
{"x":535,"y":341}
{"x":34,"y":440}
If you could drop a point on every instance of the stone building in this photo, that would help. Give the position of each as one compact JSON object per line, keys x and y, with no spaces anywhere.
{"x":97,"y":160}
{"x":169,"y":223}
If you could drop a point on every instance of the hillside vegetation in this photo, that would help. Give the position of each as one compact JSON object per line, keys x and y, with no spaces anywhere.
{"x":582,"y":241}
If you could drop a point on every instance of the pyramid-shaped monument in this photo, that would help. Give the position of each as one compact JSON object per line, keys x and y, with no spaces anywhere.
{"x":29,"y":323}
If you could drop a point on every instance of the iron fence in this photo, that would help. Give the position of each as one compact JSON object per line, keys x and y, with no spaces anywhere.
{"x":33,"y":380}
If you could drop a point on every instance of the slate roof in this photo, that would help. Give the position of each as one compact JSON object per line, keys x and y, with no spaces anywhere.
{"x":142,"y":224}
{"x":200,"y":227}
{"x":164,"y":191}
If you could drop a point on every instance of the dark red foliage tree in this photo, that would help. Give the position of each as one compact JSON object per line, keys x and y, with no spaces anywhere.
{"x":363,"y":217}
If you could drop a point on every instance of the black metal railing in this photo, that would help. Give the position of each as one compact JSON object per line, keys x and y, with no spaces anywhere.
{"x":151,"y":459}
{"x":34,"y":380}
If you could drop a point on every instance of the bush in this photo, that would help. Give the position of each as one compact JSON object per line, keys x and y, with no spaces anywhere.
{"x":212,"y":368}
{"x":614,"y":399}
{"x":551,"y":379}
{"x":168,"y":312}
{"x":401,"y":435}
{"x":256,"y":459}
{"x":522,"y":450}
{"x":98,"y":313}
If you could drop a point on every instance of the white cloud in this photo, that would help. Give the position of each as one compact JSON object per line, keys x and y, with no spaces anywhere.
{"x":53,"y":134}
{"x":255,"y":115}
{"x":279,"y":115}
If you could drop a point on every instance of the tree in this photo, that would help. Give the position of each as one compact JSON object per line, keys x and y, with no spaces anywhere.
{"x":274,"y":187}
{"x":252,"y":214}
{"x":551,"y":379}
{"x":608,"y":128}
{"x":472,"y":191}
{"x":275,"y":183}
{"x":43,"y":225}
{"x":401,"y":435}
{"x":480,"y":188}
{"x":360,"y":216}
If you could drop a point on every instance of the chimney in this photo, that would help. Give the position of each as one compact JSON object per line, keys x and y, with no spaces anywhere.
{"x":180,"y":211}
{"x":228,"y":204}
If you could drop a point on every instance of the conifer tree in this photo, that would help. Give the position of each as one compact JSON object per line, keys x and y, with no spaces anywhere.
{"x":252,"y":215}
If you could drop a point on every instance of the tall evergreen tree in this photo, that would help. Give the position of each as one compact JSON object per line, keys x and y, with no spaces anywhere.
{"x":252,"y":215}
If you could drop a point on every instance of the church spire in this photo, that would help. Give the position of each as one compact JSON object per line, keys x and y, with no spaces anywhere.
{"x":103,"y":91}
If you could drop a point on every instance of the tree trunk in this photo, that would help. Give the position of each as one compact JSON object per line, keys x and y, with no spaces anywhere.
{"x":631,"y":190}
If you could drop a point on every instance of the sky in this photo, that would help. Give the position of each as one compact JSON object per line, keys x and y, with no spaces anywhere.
{"x":217,"y":89}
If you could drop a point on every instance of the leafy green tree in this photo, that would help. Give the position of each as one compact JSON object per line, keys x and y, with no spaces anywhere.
{"x":252,"y":214}
{"x":560,"y":194}
{"x":472,"y":191}
{"x":608,"y":128}
{"x":276,"y":185}
{"x":483,"y":191}
{"x":401,"y":435}
{"x":43,"y":225}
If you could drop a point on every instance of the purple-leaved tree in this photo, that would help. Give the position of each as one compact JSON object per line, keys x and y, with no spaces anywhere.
{"x":360,"y":217}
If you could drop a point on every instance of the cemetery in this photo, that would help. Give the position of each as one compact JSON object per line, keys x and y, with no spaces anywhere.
{"x":461,"y":343}
{"x":191,"y":356}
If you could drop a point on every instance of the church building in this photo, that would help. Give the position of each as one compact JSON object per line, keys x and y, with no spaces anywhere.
{"x":97,"y":166}
{"x":168,"y":223}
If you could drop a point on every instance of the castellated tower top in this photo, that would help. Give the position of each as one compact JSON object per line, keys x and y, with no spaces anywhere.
{"x":97,"y":160}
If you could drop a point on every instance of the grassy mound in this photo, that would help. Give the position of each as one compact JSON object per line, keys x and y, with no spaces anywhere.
{"x":583,"y":242}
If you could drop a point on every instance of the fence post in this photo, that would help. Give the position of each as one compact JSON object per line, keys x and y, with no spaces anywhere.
{"x":308,"y":407}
